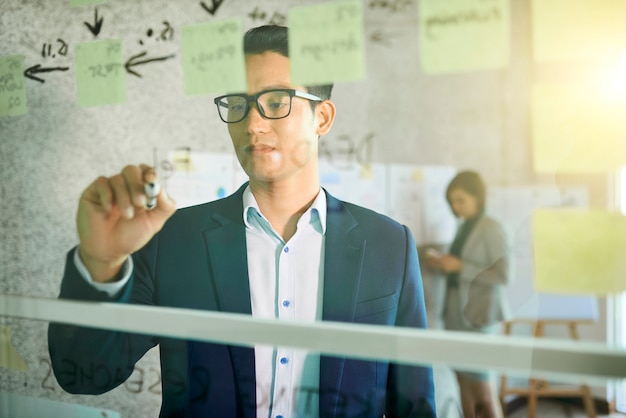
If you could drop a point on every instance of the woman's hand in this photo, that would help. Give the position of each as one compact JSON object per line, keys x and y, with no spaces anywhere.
{"x":446,"y":263}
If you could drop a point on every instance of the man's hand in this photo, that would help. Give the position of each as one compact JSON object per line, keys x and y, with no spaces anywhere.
{"x":113,"y":220}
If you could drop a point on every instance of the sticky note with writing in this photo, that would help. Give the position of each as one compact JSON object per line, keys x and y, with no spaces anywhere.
{"x":464,"y":35}
{"x":578,"y":128}
{"x":12,"y":89}
{"x":326,"y":43}
{"x":100,"y":73}
{"x":579,"y":251}
{"x":212,"y":55}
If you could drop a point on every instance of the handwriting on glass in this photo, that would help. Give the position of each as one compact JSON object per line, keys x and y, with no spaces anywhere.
{"x":473,"y":16}
{"x":8,"y":84}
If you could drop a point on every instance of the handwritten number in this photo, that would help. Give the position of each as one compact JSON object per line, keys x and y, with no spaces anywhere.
{"x":156,"y":386}
{"x":46,"y":49}
{"x":63,"y":49}
{"x":45,"y":384}
{"x":168,"y":32}
{"x":14,"y":102}
{"x":104,"y":70}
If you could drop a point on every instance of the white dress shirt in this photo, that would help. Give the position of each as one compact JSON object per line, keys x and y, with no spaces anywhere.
{"x":286,"y":283}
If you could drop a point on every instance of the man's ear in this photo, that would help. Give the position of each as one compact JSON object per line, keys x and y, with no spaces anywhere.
{"x":325,"y":113}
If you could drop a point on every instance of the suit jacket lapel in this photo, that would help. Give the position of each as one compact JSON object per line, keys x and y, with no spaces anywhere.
{"x":228,"y":262}
{"x":342,"y":274}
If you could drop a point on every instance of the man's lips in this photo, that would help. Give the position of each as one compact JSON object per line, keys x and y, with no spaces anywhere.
{"x":259,"y":148}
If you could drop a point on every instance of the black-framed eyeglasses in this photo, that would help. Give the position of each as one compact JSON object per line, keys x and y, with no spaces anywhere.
{"x":272,"y":104}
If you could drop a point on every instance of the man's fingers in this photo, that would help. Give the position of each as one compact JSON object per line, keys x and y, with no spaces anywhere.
{"x":165,"y":203}
{"x":148,"y":173}
{"x":133,"y":176}
{"x":135,"y":189}
{"x":122,"y":196}
{"x":99,"y":193}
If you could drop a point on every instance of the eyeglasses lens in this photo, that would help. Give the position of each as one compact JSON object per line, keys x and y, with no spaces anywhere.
{"x":271,"y":104}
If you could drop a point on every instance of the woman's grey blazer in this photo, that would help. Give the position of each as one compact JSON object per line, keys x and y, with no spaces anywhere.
{"x":487,"y":269}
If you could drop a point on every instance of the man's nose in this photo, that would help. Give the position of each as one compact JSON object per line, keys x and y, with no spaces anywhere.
{"x":255,"y":119}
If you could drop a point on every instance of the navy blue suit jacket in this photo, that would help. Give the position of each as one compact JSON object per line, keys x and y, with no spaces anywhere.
{"x":199,"y":261}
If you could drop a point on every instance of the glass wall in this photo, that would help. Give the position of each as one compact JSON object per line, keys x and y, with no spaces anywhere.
{"x":423,"y":91}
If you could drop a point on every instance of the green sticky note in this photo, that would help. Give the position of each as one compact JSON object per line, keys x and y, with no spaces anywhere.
{"x":213,"y":59}
{"x":12,"y":89}
{"x":579,"y":251}
{"x":100,"y":73}
{"x":464,"y":35}
{"x":74,"y":3}
{"x":326,"y":43}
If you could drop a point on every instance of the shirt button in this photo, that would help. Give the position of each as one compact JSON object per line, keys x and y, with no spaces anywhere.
{"x":284,"y":360}
{"x":286,"y":303}
{"x":286,"y":249}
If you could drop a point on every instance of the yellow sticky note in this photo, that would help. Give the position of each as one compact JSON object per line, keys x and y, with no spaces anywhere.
{"x":578,"y":251}
{"x":213,"y":60}
{"x":12,"y":89}
{"x":366,"y":172}
{"x":577,"y":29}
{"x":100,"y":73}
{"x":464,"y":35}
{"x":9,"y":357}
{"x":417,"y":176}
{"x":182,"y":160}
{"x":326,"y":43}
{"x":578,"y":128}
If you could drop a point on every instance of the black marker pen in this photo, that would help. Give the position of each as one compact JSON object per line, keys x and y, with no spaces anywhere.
{"x":152,"y":190}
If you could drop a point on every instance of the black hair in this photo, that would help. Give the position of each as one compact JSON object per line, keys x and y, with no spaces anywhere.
{"x":274,"y":38}
{"x":471,"y":183}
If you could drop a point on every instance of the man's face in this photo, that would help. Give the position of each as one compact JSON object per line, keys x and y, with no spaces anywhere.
{"x":279,"y":149}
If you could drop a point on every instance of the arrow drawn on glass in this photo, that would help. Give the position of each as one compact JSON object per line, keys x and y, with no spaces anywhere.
{"x":97,"y":25}
{"x":36,"y":69}
{"x":135,"y":60}
{"x":215,"y":4}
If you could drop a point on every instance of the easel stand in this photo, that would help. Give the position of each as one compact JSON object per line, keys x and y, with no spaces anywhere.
{"x":537,"y":388}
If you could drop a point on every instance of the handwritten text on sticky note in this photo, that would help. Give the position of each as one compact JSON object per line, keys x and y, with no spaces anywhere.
{"x":213,"y":60}
{"x":326,"y":43}
{"x":12,"y":89}
{"x":100,"y":73}
{"x":464,"y":35}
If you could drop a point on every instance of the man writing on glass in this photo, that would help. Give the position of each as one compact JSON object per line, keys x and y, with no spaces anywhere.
{"x":279,"y":247}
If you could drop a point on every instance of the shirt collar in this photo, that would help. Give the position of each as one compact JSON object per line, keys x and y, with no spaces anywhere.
{"x":316,"y":212}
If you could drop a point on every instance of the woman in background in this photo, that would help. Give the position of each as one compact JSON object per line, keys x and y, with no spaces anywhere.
{"x":477,"y":268}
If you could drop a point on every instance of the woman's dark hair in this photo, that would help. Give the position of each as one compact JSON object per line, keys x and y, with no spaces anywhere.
{"x":274,"y":38}
{"x":471,"y":183}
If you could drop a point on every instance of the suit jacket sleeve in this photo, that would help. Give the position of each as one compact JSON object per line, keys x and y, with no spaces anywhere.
{"x":411,"y":388}
{"x":94,"y":361}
